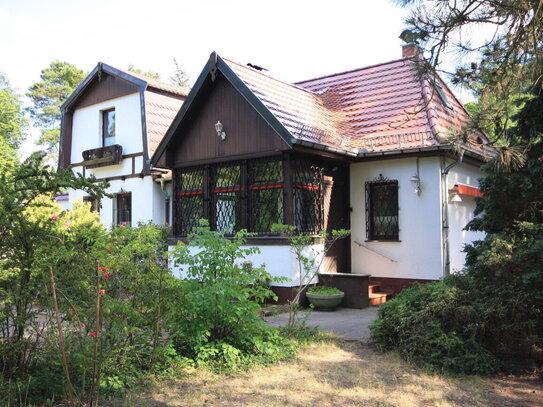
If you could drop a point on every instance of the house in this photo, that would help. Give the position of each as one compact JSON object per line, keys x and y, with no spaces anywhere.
{"x":367,"y":150}
{"x":111,"y":126}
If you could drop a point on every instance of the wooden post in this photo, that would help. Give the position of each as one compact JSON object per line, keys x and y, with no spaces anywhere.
{"x":95,"y":366}
{"x":62,"y":349}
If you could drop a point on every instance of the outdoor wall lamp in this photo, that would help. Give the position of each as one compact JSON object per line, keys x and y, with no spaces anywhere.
{"x":415,"y":180}
{"x":220,"y":132}
{"x":454,"y":196}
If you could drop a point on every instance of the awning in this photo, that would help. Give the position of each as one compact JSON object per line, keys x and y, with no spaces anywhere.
{"x":467,"y":190}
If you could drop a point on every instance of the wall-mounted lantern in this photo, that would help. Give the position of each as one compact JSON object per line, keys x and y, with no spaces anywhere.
{"x":220,"y":132}
{"x":415,"y":180}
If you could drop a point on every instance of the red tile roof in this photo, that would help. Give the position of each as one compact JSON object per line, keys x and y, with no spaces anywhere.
{"x":382,"y":107}
{"x":159,"y":114}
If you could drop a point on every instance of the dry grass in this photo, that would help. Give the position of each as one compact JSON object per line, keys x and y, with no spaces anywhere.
{"x":328,"y":374}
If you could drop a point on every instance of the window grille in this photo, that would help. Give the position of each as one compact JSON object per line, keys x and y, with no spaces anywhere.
{"x":265,"y":194}
{"x":189,"y":202}
{"x":307,"y":191}
{"x":226,"y":197}
{"x":382,"y":209}
{"x":248,"y":195}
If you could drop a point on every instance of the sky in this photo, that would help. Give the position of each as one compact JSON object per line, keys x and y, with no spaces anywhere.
{"x":294,"y":40}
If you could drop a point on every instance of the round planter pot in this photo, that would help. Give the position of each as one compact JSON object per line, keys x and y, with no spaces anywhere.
{"x":325,"y":302}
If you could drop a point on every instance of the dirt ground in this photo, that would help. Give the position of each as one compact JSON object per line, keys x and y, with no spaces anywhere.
{"x":339,"y":374}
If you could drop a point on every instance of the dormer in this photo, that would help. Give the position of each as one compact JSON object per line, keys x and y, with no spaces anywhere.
{"x":115,"y":115}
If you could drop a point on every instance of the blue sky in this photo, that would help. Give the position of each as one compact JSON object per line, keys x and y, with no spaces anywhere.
{"x":295,"y":40}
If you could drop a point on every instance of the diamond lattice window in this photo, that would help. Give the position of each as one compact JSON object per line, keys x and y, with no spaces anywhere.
{"x":307,"y":189}
{"x":265,"y":187}
{"x":226,"y":198}
{"x":189,"y":202}
{"x":250,"y":195}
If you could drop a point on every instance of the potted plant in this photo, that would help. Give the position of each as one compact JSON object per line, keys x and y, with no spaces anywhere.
{"x":324,"y":298}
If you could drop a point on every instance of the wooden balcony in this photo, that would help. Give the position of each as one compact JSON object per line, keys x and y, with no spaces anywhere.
{"x":103,"y":156}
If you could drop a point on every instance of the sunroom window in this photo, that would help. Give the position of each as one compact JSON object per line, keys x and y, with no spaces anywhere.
{"x":249,"y":194}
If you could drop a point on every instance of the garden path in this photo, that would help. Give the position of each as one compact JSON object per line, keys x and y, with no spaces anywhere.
{"x":352,"y":324}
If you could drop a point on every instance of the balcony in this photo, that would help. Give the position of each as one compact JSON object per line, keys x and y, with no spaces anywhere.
{"x":103,"y":156}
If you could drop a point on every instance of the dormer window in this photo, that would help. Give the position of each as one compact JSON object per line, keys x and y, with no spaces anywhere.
{"x":443,"y":97}
{"x":108,"y":127}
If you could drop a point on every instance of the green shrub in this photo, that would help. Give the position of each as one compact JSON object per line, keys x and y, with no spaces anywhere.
{"x":219,"y":322}
{"x":323,"y":290}
{"x":431,"y":325}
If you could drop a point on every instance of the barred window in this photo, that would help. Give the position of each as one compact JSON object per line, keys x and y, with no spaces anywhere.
{"x":226,"y":198}
{"x":382,"y":209}
{"x":189,"y":200}
{"x":248,"y":195}
{"x":265,"y":194}
{"x":307,"y":189}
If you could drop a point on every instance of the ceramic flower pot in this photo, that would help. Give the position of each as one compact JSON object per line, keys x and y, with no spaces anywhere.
{"x":325,"y":302}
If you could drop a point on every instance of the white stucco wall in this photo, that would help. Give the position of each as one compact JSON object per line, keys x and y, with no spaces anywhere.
{"x":418,"y":253}
{"x":460,"y":213}
{"x":147,"y":196}
{"x":278,"y":260}
{"x":87,"y":122}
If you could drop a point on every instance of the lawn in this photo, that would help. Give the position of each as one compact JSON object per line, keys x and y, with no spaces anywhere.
{"x":337,"y":374}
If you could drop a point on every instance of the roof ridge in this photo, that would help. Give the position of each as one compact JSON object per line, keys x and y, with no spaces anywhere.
{"x":293,"y":85}
{"x":353,"y":70}
{"x":150,"y":80}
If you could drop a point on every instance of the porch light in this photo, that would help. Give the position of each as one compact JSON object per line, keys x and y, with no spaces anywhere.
{"x":455,"y":197}
{"x":219,"y":130}
{"x":415,"y":182}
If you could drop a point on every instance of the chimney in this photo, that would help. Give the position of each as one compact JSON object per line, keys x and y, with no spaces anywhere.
{"x":410,"y":50}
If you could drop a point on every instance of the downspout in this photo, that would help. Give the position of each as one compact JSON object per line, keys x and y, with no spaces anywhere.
{"x":445,"y":212}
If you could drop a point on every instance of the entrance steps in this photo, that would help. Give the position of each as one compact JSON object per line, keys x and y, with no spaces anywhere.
{"x":378,"y":295}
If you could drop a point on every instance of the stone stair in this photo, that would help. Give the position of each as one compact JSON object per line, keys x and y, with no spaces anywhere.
{"x":378,"y":295}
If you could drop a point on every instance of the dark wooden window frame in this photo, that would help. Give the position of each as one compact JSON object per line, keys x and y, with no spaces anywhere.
{"x":203,"y":196}
{"x":375,"y":208}
{"x":120,"y":212}
{"x":105,"y":124}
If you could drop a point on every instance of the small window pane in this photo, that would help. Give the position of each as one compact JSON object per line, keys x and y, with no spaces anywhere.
{"x":225,"y":198}
{"x":307,"y":191}
{"x":265,"y":194}
{"x":108,"y":127}
{"x":124,"y":209}
{"x":189,"y":200}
